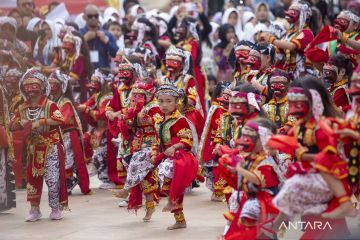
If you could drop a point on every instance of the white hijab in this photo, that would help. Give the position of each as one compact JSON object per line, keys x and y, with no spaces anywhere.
{"x":51,"y":43}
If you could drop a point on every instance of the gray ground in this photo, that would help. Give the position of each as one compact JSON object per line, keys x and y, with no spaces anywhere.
{"x":98,"y":217}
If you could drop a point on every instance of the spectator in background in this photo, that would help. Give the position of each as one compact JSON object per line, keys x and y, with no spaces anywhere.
{"x":115,"y":29}
{"x":101,"y":43}
{"x":222,"y":51}
{"x":26,"y":9}
{"x":48,"y":43}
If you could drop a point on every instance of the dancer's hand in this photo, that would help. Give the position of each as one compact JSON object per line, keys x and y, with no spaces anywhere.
{"x":346,"y":132}
{"x":170,"y":151}
{"x":35,"y":124}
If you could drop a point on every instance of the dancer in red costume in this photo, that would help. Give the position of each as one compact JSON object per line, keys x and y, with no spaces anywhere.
{"x":142,"y":174}
{"x":319,"y":171}
{"x":72,"y":133}
{"x":93,"y":111}
{"x":336,"y":73}
{"x":178,"y":68}
{"x":258,"y":179}
{"x":14,"y":99}
{"x":178,"y":167}
{"x":187,"y":38}
{"x":117,"y":106}
{"x":46,"y":157}
{"x":206,"y":157}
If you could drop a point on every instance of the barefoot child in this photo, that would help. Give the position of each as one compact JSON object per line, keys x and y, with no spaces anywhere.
{"x":179,"y":166}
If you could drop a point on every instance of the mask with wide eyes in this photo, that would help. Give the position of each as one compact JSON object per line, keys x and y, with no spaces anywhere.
{"x":246,"y":143}
{"x":241,"y":55}
{"x":253,"y":62}
{"x":180,"y":33}
{"x":341,"y":23}
{"x":278,"y":88}
{"x":173,"y":65}
{"x":292,"y":15}
{"x":239,"y":110}
{"x":32,"y":89}
{"x":299,"y":109}
{"x":125,"y":75}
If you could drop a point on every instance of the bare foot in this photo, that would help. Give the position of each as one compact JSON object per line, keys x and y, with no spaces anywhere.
{"x":215,"y":198}
{"x":344,"y":210}
{"x":177,"y":225}
{"x":168,"y":207}
{"x":149,"y":213}
{"x":122,"y":193}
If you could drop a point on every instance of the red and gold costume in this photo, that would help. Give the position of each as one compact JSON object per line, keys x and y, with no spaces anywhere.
{"x":342,"y":23}
{"x":190,"y":43}
{"x":177,"y":75}
{"x":251,"y":205}
{"x":142,"y":175}
{"x":119,"y":103}
{"x":71,"y":132}
{"x":7,"y":185}
{"x":45,"y":151}
{"x":176,"y":172}
{"x":14,"y":100}
{"x":94,"y":113}
{"x":206,"y":156}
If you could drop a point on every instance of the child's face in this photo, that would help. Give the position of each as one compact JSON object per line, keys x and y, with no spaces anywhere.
{"x":115,"y":30}
{"x":167,"y":103}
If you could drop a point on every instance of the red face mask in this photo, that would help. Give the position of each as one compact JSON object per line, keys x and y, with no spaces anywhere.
{"x":299,"y":109}
{"x":241,"y":56}
{"x":253,"y":62}
{"x":279,"y":89}
{"x":173,"y":65}
{"x":32,"y":89}
{"x":292,"y":15}
{"x":246,"y":143}
{"x":341,"y":23}
{"x":55,"y":88}
{"x":239,"y":110}
{"x":125,"y":76}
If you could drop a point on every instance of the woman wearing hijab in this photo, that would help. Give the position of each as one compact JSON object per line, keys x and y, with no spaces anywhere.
{"x":47,"y":42}
{"x":223,"y":49}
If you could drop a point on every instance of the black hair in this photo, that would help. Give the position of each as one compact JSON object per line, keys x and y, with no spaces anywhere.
{"x":266,"y":123}
{"x":74,"y":25}
{"x":267,"y":49}
{"x":223,"y":30}
{"x":341,"y":61}
{"x":310,"y":82}
{"x":220,"y":87}
{"x":153,"y":34}
{"x":129,"y":3}
{"x":111,"y":23}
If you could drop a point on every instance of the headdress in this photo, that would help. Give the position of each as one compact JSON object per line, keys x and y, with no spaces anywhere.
{"x":304,"y":11}
{"x":33,"y":75}
{"x":168,"y":89}
{"x":62,"y":78}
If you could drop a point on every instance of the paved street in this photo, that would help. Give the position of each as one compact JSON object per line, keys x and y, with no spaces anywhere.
{"x":98,"y":217}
